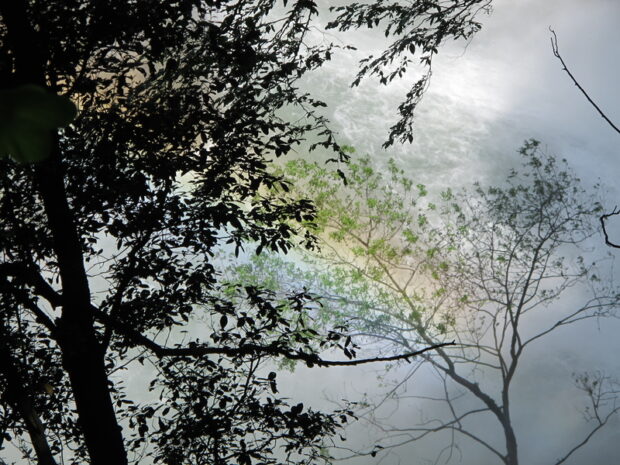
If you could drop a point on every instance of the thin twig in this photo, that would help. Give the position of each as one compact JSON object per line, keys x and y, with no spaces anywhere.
{"x":556,"y":52}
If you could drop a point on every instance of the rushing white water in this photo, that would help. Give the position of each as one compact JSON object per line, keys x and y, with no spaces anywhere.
{"x":485,"y":99}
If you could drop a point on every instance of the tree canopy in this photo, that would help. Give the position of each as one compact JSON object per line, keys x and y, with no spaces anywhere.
{"x":107,"y":245}
{"x":497,"y":270}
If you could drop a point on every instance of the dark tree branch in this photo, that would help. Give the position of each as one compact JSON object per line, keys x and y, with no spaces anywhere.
{"x":587,"y":438}
{"x":32,"y":278}
{"x":247,"y":349}
{"x":310,"y":359}
{"x":23,"y":275}
{"x":599,"y":396}
{"x":603,"y":218}
{"x":556,"y":52}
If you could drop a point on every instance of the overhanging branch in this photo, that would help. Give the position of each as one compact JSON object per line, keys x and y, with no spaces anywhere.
{"x":310,"y":359}
{"x":193,"y":351}
{"x":42,"y":288}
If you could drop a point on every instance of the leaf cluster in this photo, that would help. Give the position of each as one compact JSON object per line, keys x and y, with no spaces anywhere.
{"x":166,"y":163}
{"x":417,"y":27}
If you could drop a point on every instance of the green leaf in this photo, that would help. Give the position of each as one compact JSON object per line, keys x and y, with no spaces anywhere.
{"x":32,"y":103}
{"x":24,"y":142}
{"x":28,"y":115}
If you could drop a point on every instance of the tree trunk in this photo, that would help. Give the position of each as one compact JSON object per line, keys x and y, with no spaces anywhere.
{"x":509,"y":433}
{"x":511,"y":445}
{"x":83,"y":355}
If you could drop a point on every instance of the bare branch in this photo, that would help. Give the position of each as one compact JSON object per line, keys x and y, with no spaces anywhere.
{"x":556,"y":53}
{"x":603,"y":218}
{"x":599,"y":396}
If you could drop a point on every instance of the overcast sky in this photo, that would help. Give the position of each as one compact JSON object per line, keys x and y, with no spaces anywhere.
{"x":484,"y":100}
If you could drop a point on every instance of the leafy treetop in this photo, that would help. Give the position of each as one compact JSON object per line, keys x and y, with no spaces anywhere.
{"x":107,"y":246}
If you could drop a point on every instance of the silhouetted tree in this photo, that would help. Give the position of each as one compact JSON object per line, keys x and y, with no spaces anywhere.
{"x":106,"y":246}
